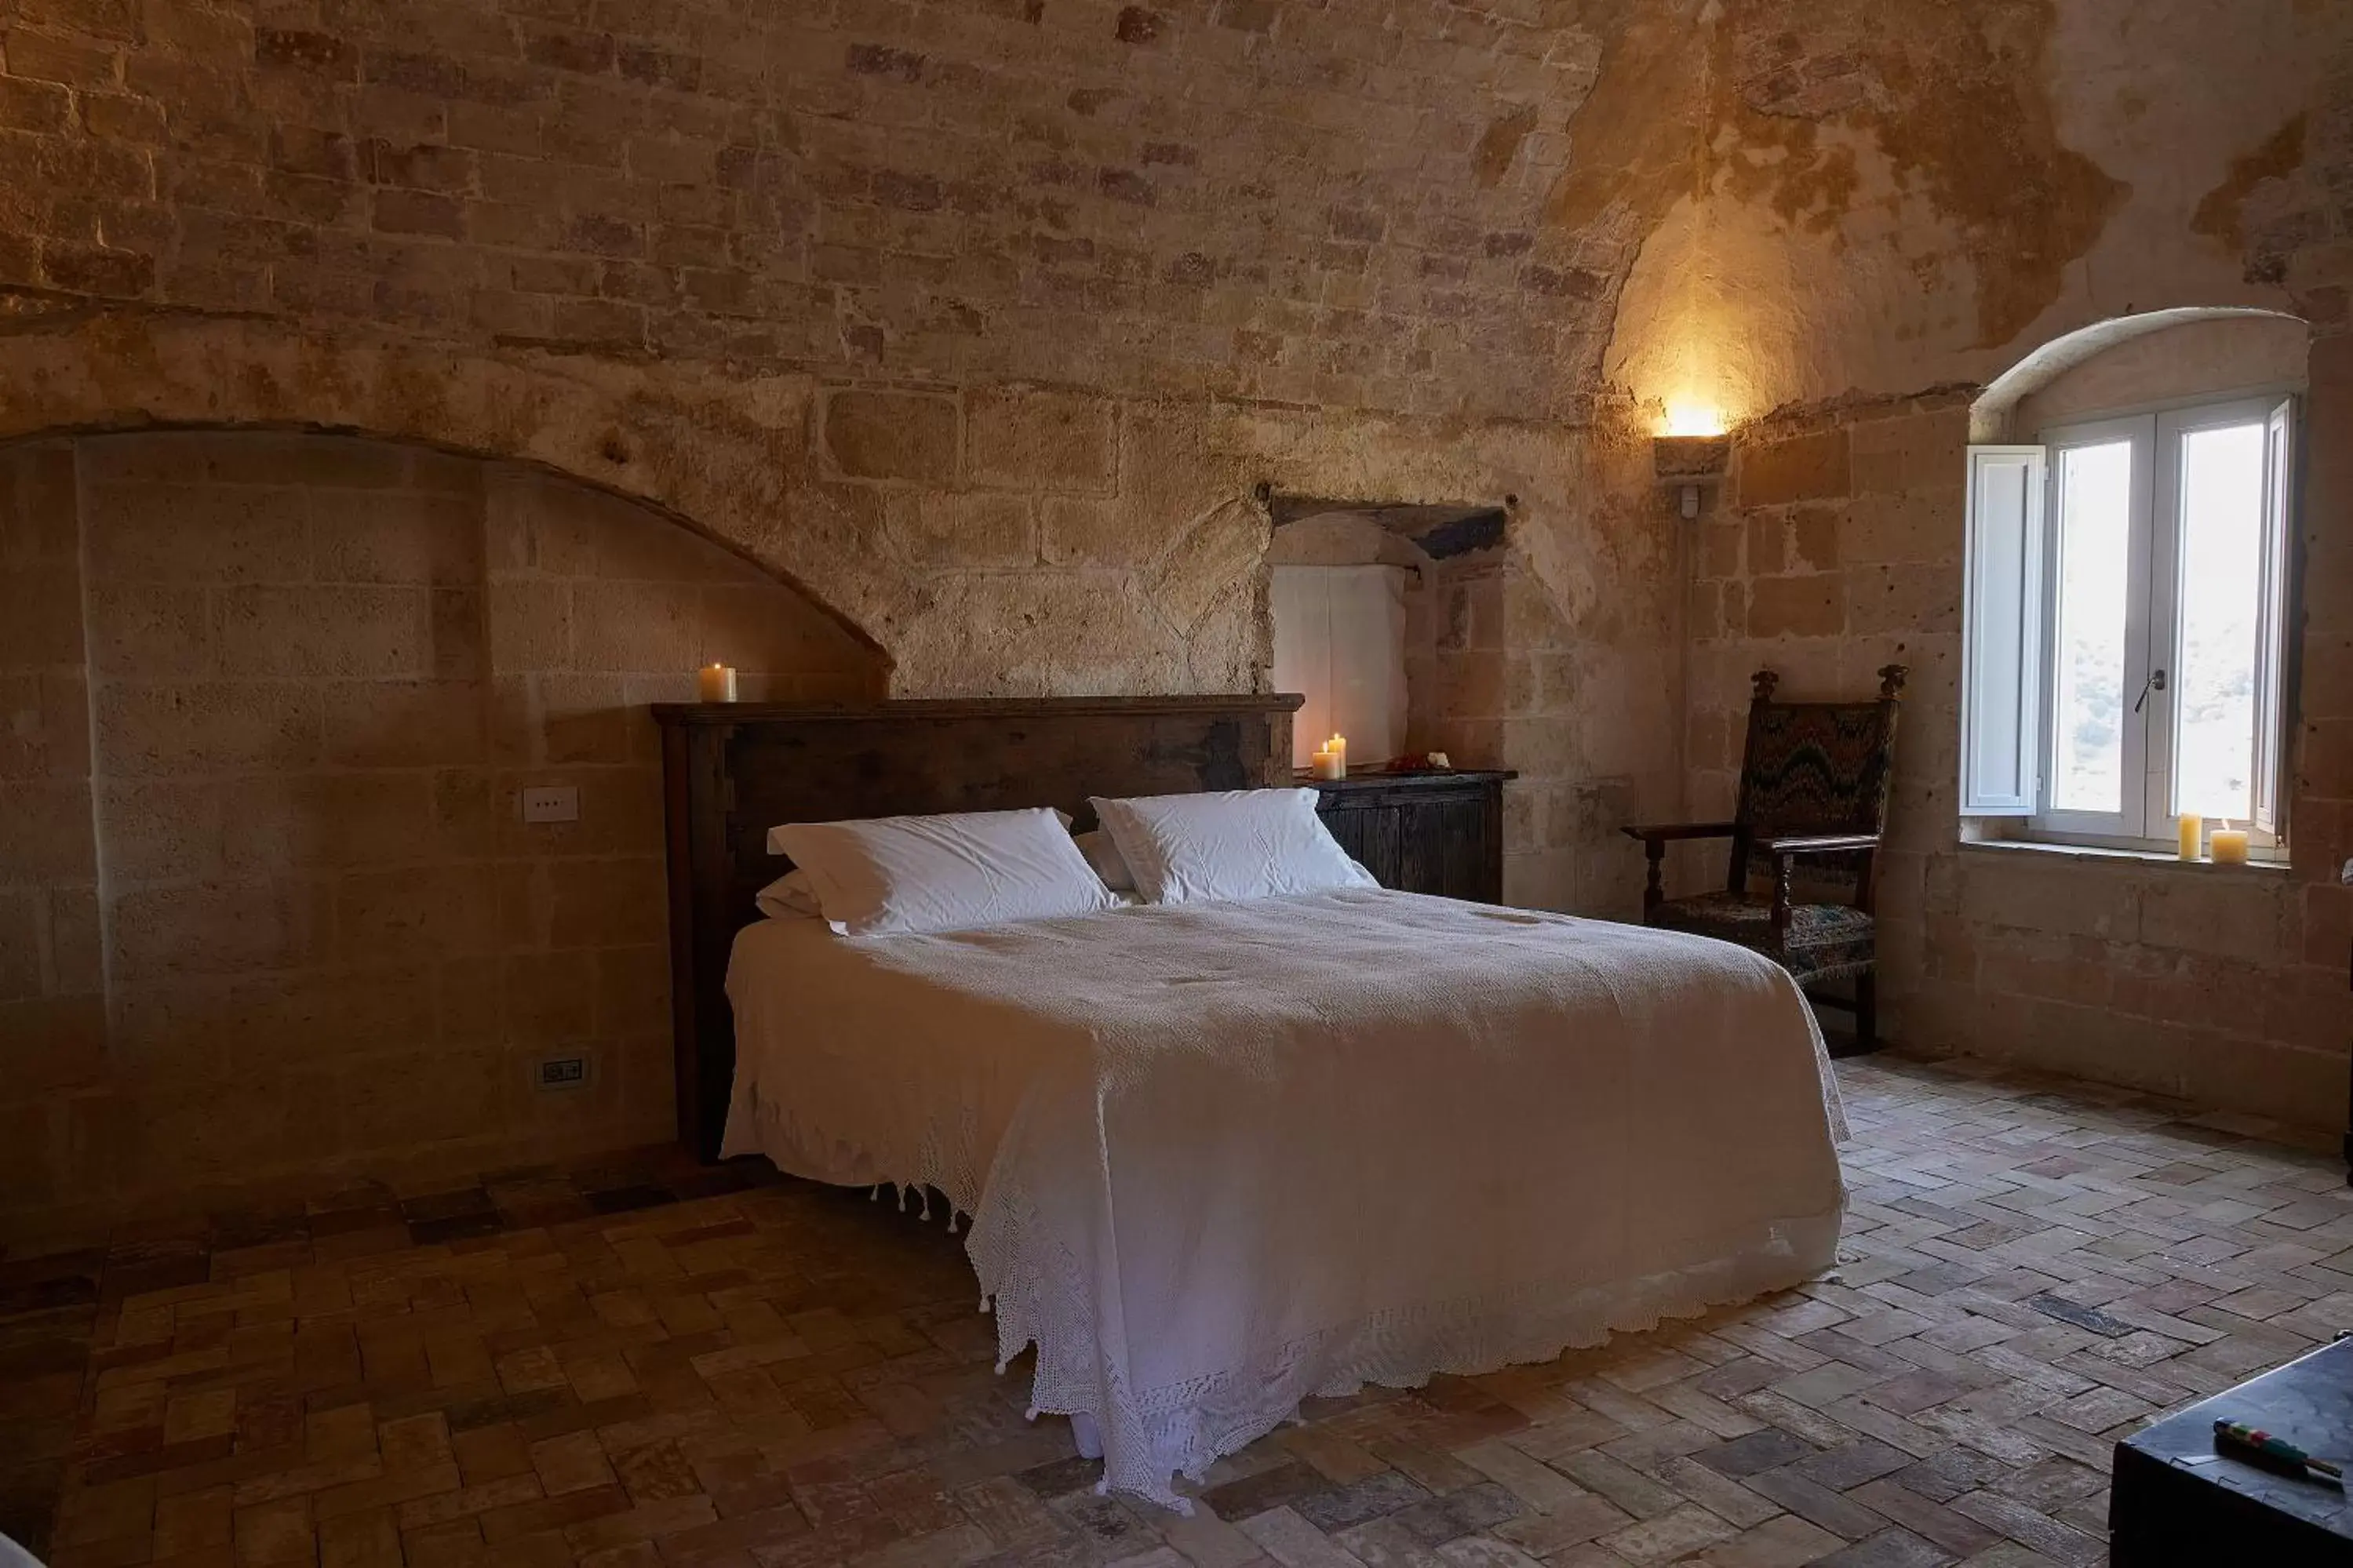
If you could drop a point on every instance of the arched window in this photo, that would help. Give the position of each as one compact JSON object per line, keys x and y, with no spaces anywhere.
{"x":2125,"y":637}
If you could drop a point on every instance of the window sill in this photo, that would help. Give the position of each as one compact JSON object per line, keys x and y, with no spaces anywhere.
{"x":2102,"y":852}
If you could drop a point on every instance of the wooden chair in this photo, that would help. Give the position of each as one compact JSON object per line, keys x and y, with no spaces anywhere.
{"x":1813,"y":788}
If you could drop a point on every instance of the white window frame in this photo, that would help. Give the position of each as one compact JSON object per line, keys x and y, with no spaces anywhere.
{"x":2128,"y":823}
{"x":2147,"y":815}
{"x":2275,"y":658}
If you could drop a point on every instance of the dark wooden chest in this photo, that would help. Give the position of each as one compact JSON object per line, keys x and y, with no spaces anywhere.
{"x":2176,"y":1500}
{"x":1422,"y":833}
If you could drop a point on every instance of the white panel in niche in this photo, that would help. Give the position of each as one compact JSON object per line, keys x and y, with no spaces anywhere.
{"x":1339,"y":637}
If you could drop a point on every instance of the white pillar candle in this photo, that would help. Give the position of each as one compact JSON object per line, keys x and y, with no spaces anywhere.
{"x":1330,"y":764}
{"x":2193,"y":828}
{"x":2228,"y":845}
{"x":715,"y":683}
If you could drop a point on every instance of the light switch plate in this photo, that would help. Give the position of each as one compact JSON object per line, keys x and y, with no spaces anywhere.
{"x":552,"y":803}
{"x":557,"y":1075}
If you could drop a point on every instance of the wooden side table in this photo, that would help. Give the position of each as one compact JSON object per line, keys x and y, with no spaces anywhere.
{"x":1438,"y":833}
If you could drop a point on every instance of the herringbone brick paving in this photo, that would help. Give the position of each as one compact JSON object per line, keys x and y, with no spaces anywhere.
{"x":786,"y":1376}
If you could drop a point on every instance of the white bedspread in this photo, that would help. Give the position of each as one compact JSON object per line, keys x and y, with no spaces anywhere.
{"x":1222,"y":1156}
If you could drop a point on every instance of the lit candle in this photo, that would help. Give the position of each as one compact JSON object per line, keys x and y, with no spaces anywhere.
{"x":1330,"y":764}
{"x":715,"y":683}
{"x":1338,"y":746}
{"x":2192,"y":826}
{"x":2229,"y":846}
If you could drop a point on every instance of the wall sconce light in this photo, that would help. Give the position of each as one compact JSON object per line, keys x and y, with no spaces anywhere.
{"x":1690,"y":462}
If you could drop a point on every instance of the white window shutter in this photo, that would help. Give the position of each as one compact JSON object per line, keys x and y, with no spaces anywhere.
{"x":2271,"y":630}
{"x":2001,"y":632}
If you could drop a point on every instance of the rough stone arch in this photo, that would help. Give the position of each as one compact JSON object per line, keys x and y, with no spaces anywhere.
{"x":727,"y":457}
{"x":1989,"y":415}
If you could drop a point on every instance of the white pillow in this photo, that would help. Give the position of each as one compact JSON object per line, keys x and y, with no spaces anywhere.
{"x":1232,"y":844}
{"x":1104,"y":857}
{"x":899,"y":874}
{"x":789,"y":897}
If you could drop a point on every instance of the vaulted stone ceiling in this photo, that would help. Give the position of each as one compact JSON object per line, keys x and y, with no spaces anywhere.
{"x":1857,"y":196}
{"x":1308,"y":246}
{"x":1428,"y":207}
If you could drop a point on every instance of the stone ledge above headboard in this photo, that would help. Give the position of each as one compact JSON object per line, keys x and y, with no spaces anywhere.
{"x":733,"y":770}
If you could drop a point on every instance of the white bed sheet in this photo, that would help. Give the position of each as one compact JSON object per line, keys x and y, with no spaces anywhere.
{"x":1223,"y":1156}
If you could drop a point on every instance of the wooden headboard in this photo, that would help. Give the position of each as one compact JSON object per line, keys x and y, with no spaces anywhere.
{"x":733,"y":770}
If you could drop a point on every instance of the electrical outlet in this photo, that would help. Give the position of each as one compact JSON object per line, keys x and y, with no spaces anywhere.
{"x":552,"y":803}
{"x":558,"y":1073}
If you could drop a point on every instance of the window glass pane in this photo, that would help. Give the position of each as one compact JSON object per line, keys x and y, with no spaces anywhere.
{"x":2222,"y":605}
{"x":2088,"y":698}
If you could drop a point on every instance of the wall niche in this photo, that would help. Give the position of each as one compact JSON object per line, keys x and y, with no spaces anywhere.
{"x":291,"y":685}
{"x":1376,"y":624}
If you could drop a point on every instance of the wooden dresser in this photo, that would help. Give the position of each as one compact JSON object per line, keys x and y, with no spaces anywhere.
{"x":1422,"y":833}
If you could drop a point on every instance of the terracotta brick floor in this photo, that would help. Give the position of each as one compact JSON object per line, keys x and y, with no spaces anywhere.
{"x":545,"y":1370}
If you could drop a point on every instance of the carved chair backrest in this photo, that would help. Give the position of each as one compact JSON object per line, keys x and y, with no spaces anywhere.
{"x":1813,"y":767}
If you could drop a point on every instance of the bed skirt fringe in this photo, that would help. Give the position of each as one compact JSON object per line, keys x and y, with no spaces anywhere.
{"x":1039,"y":1296}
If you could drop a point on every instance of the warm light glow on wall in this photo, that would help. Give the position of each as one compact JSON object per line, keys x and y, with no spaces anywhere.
{"x":1691,"y":415}
{"x":1691,"y":391}
{"x":1703,"y":336}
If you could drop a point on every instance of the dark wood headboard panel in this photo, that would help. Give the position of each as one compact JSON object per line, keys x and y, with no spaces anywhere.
{"x":732,"y":771}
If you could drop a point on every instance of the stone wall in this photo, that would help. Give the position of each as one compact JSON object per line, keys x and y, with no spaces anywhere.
{"x":1286,"y":202}
{"x":980,"y":322}
{"x":982,"y":325}
{"x":1859,"y":197}
{"x":966,"y":280}
{"x":1856,"y":216}
{"x":52,"y":974}
{"x":1839,"y":548}
{"x":320,"y":672}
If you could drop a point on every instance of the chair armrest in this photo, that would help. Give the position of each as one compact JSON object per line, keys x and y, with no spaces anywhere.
{"x":1819,"y":844}
{"x":1660,"y":832}
{"x":1654,"y":839}
{"x":1786,"y":850}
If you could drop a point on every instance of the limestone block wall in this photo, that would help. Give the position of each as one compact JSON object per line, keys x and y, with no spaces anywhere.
{"x":321,"y":671}
{"x":1514,"y":683}
{"x":52,"y":981}
{"x":1838,"y":548}
{"x":1282,"y":201}
{"x":981,"y":324}
{"x":1007,"y":545}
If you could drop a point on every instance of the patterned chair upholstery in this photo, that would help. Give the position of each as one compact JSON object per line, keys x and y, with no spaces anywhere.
{"x":1814,"y":803}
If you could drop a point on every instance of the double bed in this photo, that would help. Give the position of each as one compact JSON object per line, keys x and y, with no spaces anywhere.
{"x":1221,"y":1156}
